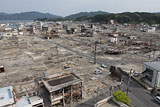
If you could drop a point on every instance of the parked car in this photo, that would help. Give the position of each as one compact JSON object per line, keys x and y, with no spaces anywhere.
{"x":157,"y":98}
{"x":155,"y":91}
{"x":98,"y":72}
{"x":136,"y":74}
{"x":103,"y":66}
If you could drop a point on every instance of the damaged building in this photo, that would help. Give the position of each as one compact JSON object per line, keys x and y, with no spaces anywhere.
{"x":151,"y":74}
{"x":62,"y":89}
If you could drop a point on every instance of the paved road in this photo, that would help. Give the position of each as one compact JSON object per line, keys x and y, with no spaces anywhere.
{"x":139,"y":96}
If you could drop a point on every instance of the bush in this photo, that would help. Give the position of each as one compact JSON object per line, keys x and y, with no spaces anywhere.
{"x":121,"y":96}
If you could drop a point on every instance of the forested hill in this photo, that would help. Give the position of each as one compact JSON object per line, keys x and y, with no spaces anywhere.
{"x":86,"y":14}
{"x":127,"y":17}
{"x":104,"y":17}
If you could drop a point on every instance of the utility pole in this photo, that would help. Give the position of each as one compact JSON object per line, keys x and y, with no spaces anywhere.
{"x":57,"y":50}
{"x":102,"y":50}
{"x":97,"y":94}
{"x":110,"y":90}
{"x":95,"y":60}
{"x":129,"y":81}
{"x":100,"y":41}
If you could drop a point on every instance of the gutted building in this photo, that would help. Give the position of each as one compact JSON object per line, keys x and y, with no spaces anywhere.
{"x":63,"y":89}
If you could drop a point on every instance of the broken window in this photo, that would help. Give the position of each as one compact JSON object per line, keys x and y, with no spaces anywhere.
{"x":2,"y":69}
{"x":150,"y":74}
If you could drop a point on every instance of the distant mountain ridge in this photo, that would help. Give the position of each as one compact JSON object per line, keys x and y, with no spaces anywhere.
{"x":26,"y":16}
{"x":88,"y":14}
{"x":34,"y":15}
{"x":157,"y":13}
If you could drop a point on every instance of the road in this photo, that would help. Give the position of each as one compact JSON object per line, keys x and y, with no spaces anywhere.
{"x":139,"y":96}
{"x":89,"y":57}
{"x":85,"y":42}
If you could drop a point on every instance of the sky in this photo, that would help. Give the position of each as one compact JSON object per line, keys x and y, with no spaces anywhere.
{"x":68,"y":7}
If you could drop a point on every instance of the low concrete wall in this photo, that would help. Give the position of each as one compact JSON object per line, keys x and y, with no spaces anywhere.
{"x":102,"y":101}
{"x":119,"y":104}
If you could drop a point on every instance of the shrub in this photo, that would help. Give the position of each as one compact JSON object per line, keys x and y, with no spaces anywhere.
{"x":121,"y":96}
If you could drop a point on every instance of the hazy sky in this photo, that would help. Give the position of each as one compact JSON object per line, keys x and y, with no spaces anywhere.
{"x":67,"y":7}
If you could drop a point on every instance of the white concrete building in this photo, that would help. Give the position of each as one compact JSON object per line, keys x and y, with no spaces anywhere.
{"x":113,"y":39}
{"x":151,"y":74}
{"x":7,"y":98}
{"x":9,"y":34}
{"x":34,"y":101}
{"x":20,"y":33}
{"x":8,"y":29}
{"x":152,"y":29}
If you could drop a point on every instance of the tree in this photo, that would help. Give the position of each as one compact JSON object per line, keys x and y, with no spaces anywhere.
{"x":121,"y":96}
{"x":113,"y":71}
{"x":82,"y":18}
{"x":127,"y":17}
{"x":100,"y":18}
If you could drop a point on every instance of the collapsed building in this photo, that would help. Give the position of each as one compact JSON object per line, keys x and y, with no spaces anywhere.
{"x":52,"y":34}
{"x":87,"y":31}
{"x":49,"y":33}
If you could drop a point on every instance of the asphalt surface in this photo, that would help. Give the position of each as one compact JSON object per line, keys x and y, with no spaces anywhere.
{"x":139,"y":96}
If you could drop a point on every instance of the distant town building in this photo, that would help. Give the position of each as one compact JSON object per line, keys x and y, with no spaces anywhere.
{"x":152,"y":29}
{"x":148,"y":29}
{"x":113,"y":39}
{"x":132,"y":37}
{"x":9,"y":34}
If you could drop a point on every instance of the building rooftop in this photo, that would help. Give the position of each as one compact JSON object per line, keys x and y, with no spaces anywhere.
{"x":23,"y":102}
{"x":155,"y":65}
{"x":35,"y":100}
{"x":6,"y":96}
{"x":29,"y":102}
{"x":58,"y":82}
